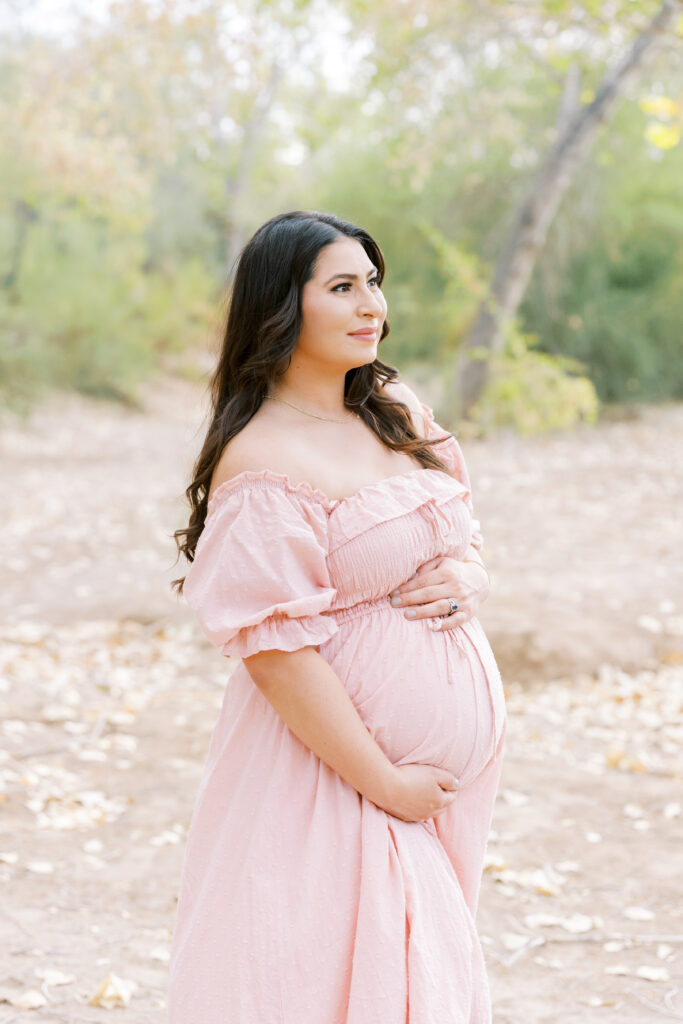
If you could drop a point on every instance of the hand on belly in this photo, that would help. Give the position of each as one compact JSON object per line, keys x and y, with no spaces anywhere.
{"x":427,"y":593}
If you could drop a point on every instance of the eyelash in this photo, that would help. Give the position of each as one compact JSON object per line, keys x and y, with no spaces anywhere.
{"x":347,"y":284}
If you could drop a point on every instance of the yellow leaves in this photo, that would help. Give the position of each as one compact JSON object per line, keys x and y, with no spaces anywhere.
{"x":635,"y":764}
{"x":543,"y":881}
{"x":663,"y":136}
{"x":617,"y":757}
{"x":664,"y":132}
{"x":660,"y":106}
{"x":113,"y":992}
{"x":494,"y":862}
{"x":614,"y":756}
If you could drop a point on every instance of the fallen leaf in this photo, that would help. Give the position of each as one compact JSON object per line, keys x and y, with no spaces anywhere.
{"x":541,"y":920}
{"x":40,"y":867}
{"x":114,"y":991}
{"x":653,"y":973}
{"x":639,"y":914}
{"x":31,"y":999}
{"x":578,"y":923}
{"x":52,"y":976}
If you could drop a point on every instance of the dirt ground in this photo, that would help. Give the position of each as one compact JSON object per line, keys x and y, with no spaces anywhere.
{"x":108,"y":695}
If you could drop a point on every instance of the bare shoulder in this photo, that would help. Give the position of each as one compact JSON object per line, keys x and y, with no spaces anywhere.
{"x":255,"y":448}
{"x":399,"y":391}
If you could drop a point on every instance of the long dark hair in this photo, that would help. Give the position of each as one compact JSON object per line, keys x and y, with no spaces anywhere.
{"x":263,"y":325}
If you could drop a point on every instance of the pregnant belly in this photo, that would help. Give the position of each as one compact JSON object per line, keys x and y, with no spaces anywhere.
{"x":423,"y":695}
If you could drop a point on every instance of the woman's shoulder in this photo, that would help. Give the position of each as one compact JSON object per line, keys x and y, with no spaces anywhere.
{"x":399,"y":391}
{"x":256,"y":449}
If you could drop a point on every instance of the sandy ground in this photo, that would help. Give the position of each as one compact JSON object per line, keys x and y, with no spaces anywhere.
{"x":108,"y":694}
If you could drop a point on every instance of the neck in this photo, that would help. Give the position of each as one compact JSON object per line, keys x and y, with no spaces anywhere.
{"x":321,"y":395}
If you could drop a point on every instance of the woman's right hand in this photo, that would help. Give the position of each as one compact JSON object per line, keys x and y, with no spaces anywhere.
{"x":419,"y":791}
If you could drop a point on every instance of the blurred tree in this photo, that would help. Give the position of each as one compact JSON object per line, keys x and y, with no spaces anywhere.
{"x":470,"y":102}
{"x":608,"y":288}
{"x":134,"y":155}
{"x":157,"y":138}
{"x":577,"y":132}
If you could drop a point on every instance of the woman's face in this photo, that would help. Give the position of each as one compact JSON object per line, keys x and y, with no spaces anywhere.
{"x":342,"y":297}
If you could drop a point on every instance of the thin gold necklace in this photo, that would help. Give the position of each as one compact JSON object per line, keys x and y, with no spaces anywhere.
{"x":329,"y":420}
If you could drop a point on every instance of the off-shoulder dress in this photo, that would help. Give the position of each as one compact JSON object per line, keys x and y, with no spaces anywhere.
{"x":301,"y":901}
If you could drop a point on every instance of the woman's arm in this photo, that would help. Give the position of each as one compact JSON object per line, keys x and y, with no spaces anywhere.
{"x":310,"y":698}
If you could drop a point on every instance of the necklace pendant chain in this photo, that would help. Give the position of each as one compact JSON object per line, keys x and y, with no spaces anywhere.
{"x":315,"y":415}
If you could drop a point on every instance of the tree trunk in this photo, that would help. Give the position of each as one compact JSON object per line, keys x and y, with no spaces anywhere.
{"x":530,"y":226}
{"x":236,"y":189}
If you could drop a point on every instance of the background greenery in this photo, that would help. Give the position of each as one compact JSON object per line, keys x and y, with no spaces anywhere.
{"x":140,"y":148}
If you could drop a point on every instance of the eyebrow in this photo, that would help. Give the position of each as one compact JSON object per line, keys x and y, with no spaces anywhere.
{"x":354,"y":277}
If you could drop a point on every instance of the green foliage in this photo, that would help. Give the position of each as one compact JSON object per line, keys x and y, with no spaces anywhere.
{"x":465,"y":286}
{"x":136,"y":160}
{"x":25,"y":372}
{"x":533,"y":392}
{"x":620,"y":310}
{"x":608,"y":291}
{"x":83,"y":312}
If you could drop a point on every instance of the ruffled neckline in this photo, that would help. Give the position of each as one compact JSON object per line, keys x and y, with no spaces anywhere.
{"x":306,"y":490}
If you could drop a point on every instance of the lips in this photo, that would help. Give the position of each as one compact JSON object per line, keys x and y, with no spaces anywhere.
{"x":363,"y":334}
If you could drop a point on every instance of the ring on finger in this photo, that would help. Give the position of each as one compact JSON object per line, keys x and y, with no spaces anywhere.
{"x":453,"y":607}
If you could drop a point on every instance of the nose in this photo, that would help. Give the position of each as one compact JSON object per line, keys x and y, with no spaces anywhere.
{"x":371,"y":302}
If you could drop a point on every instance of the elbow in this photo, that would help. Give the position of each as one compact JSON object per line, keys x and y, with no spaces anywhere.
{"x":273,"y":667}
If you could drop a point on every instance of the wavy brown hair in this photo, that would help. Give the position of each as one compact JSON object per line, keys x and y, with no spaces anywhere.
{"x":263,"y":324}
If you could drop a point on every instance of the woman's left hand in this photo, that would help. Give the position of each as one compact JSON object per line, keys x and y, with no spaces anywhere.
{"x":426,"y":594}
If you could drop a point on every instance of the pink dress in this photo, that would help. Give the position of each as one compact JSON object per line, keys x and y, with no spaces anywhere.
{"x":301,"y":901}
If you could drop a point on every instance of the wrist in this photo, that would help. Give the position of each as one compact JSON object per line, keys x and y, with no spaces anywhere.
{"x":388,"y":786}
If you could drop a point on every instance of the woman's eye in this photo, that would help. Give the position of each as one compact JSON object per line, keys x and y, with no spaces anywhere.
{"x":347,"y":284}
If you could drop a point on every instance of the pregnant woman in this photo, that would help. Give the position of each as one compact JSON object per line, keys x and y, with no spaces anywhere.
{"x":334,"y":856}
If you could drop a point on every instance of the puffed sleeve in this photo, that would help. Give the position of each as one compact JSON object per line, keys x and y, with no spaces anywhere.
{"x":451,"y":453}
{"x":259,"y":580}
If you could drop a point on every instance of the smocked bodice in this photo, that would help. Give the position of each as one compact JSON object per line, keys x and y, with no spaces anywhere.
{"x":374,"y":540}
